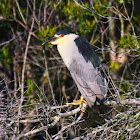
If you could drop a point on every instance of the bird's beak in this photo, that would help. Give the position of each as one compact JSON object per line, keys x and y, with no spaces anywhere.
{"x":50,"y":40}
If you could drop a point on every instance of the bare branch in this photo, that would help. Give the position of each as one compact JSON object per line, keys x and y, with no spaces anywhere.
{"x":24,"y":61}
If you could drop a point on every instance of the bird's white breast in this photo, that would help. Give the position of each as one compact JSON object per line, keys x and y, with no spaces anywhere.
{"x":66,"y":49}
{"x":66,"y":52}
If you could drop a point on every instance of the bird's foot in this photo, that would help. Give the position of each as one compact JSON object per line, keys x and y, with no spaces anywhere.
{"x":79,"y":102}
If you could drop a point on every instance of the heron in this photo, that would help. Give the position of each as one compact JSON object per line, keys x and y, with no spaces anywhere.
{"x":84,"y":65}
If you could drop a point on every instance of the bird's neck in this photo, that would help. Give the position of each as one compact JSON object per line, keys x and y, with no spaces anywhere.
{"x":66,"y":48}
{"x":66,"y":52}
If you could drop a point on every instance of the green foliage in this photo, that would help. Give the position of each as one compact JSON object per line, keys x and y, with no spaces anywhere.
{"x":5,"y":56}
{"x":47,"y":32}
{"x":30,"y":86}
{"x":82,"y":18}
{"x":6,"y":8}
{"x":125,"y":86}
{"x":123,"y":1}
{"x":99,"y":7}
{"x":115,"y":65}
{"x":127,"y":42}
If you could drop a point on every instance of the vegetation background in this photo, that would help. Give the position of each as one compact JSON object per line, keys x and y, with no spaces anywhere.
{"x":35,"y":85}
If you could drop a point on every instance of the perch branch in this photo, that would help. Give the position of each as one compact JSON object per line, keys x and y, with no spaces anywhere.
{"x":56,"y":119}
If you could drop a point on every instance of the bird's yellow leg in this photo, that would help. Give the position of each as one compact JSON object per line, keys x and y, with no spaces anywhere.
{"x":78,"y":102}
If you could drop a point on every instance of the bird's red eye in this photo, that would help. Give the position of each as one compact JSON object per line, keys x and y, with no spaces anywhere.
{"x":62,"y":35}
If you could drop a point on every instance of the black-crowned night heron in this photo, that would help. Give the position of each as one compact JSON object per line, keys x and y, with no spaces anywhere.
{"x":83,"y":64}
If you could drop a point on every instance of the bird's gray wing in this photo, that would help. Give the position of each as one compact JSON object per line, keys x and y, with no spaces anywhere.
{"x":88,"y":77}
{"x":89,"y":83}
{"x":87,"y":93}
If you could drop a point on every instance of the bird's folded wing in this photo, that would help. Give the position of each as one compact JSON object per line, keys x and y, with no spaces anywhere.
{"x":88,"y":94}
{"x":89,"y":81}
